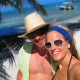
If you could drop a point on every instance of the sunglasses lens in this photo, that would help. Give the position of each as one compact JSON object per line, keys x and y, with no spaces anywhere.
{"x":58,"y":43}
{"x":31,"y":36}
{"x":39,"y":33}
{"x":48,"y":45}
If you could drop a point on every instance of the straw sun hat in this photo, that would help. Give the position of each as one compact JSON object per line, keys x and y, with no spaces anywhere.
{"x":33,"y":22}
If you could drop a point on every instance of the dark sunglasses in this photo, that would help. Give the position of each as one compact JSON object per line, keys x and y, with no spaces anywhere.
{"x":58,"y":43}
{"x":38,"y":32}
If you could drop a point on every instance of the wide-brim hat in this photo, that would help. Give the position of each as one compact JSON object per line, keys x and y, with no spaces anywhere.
{"x":33,"y":22}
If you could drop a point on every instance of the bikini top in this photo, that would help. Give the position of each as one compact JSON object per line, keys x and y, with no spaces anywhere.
{"x":68,"y":74}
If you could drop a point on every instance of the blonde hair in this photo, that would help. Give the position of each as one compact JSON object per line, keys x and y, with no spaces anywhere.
{"x":73,"y":47}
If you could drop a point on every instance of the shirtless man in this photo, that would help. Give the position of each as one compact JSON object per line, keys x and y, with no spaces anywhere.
{"x":40,"y":65}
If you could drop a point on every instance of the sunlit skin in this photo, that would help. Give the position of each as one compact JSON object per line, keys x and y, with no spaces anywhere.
{"x":40,"y":66}
{"x":39,"y":40}
{"x":62,"y":55}
{"x":58,"y":53}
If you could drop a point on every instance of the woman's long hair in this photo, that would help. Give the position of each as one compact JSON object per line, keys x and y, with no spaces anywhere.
{"x":73,"y":47}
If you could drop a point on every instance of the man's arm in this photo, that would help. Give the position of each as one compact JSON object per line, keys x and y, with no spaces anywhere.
{"x":19,"y":75}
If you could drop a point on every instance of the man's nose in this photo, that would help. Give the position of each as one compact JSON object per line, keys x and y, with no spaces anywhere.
{"x":37,"y":37}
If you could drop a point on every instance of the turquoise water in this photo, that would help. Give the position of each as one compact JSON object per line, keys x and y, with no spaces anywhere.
{"x":13,"y":22}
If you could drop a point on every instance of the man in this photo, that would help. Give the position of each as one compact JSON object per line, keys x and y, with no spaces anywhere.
{"x":34,"y":61}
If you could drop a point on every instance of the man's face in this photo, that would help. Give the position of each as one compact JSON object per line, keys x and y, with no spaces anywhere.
{"x":38,"y":36}
{"x":39,"y":40}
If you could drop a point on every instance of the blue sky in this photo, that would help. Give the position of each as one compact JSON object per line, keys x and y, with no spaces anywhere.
{"x":43,"y":2}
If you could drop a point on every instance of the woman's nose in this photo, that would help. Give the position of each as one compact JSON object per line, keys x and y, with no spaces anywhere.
{"x":53,"y":46}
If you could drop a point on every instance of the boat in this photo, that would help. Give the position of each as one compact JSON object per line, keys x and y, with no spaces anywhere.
{"x":66,"y":7}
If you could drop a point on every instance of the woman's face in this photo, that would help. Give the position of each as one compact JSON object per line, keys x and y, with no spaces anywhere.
{"x":59,"y":45}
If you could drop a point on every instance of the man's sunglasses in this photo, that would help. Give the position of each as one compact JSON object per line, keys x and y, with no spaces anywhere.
{"x":38,"y":32}
{"x":58,"y":43}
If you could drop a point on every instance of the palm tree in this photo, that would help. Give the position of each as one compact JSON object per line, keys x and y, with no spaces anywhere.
{"x":18,"y":4}
{"x":8,"y":43}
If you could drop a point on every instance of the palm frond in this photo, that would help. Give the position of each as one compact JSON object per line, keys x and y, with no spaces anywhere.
{"x":3,"y":74}
{"x":37,"y":6}
{"x":11,"y":46}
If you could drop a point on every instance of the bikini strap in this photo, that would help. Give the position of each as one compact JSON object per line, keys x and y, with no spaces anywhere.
{"x":68,"y":68}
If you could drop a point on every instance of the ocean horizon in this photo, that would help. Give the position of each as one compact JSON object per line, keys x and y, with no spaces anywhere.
{"x":13,"y":22}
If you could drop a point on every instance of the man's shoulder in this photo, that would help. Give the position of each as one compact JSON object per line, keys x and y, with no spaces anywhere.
{"x":26,"y":47}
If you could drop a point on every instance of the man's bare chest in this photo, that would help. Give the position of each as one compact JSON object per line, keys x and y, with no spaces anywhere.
{"x":39,"y":64}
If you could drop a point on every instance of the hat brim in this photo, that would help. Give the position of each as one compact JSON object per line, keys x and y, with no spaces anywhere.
{"x":36,"y":28}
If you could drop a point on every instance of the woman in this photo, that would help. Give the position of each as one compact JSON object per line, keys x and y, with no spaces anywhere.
{"x":61,"y":46}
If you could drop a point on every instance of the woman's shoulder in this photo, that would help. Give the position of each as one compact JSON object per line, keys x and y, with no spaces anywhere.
{"x":75,"y":66}
{"x":75,"y":70}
